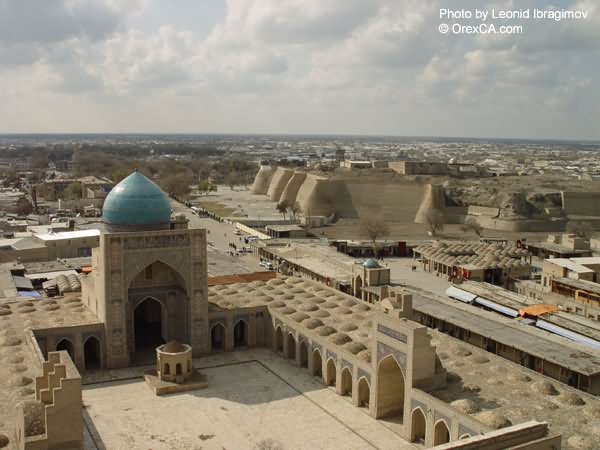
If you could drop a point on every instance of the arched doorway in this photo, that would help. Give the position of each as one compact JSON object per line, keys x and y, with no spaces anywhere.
{"x":217,"y":338}
{"x":240,"y":334}
{"x":317,"y":363}
{"x":364,"y":393}
{"x":419,"y":427}
{"x":358,"y":287}
{"x":331,"y":373}
{"x":147,"y":325}
{"x":91,"y":354}
{"x":441,"y":434}
{"x":291,"y":346}
{"x":347,"y":382}
{"x":303,"y":354}
{"x":278,"y":340}
{"x":390,"y":388}
{"x":66,"y":345}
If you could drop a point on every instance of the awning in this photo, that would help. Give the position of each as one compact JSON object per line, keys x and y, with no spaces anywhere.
{"x":567,"y":333}
{"x":33,"y":294}
{"x":496,"y":307}
{"x":459,"y":294}
{"x":537,"y":310}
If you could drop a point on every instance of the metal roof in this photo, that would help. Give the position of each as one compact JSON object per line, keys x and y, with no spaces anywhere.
{"x":68,"y":235}
{"x":510,"y":333}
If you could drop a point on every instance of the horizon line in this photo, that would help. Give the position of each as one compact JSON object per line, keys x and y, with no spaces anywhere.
{"x":368,"y":135}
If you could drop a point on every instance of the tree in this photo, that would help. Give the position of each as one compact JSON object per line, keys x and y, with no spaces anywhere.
{"x":72,"y":192}
{"x":177,"y":186}
{"x":435,"y":221}
{"x":296,"y":209}
{"x":282,"y":208}
{"x":472,"y":225}
{"x":374,"y":228}
{"x":39,"y":160}
{"x":24,"y":207}
{"x":580,"y":229}
{"x":204,"y":187}
{"x":118,"y":174}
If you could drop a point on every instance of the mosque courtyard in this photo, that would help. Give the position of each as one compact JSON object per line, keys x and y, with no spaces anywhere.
{"x":255,"y":400}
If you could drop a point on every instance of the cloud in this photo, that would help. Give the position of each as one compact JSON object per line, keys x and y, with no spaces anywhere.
{"x":302,"y":60}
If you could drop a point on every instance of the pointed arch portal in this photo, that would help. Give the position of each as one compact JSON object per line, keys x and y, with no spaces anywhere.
{"x":147,"y":327}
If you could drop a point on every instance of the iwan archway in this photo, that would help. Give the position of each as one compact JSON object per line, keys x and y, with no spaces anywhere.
{"x":148,"y":328}
{"x":159,"y":310}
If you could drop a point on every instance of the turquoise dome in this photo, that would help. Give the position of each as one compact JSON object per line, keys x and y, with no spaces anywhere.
{"x":136,"y":201}
{"x":371,"y":264}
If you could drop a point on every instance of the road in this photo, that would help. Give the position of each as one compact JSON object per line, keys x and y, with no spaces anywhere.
{"x":219,"y":236}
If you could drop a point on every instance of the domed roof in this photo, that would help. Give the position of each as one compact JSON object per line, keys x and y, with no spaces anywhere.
{"x":136,"y":201}
{"x":371,"y":264}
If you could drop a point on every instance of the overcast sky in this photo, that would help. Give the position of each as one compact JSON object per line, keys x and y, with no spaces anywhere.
{"x":294,"y":66}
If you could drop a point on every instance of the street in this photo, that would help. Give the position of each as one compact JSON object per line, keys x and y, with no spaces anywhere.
{"x":219,"y":236}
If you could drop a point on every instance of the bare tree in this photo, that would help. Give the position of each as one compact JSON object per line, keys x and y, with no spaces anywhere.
{"x":282,"y":208}
{"x":581,"y":229}
{"x":23,"y":207}
{"x":374,"y":228}
{"x":435,"y":221}
{"x":472,"y":225}
{"x":295,"y":210}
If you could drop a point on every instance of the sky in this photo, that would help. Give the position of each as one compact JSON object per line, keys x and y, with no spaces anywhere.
{"x":374,"y":67}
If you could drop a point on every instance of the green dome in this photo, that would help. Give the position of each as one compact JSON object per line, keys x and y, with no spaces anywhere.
{"x":371,"y":264}
{"x":136,"y":201}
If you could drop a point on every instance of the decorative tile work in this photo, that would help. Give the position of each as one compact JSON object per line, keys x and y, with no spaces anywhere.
{"x":347,"y":364}
{"x":392,"y":333}
{"x":462,"y":430}
{"x":245,"y":317}
{"x":438,"y":416}
{"x":417,"y":404}
{"x":364,"y":374}
{"x":384,"y":350}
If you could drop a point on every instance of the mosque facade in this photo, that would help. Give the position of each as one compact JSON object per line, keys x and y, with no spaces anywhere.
{"x":148,"y":286}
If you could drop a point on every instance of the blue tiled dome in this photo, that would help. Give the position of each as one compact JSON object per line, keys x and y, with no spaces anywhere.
{"x":371,"y":264}
{"x":136,"y":201}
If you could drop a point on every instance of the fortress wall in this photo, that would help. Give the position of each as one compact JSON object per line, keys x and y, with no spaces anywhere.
{"x":262,"y":180}
{"x":433,"y":199}
{"x":390,"y":199}
{"x":483,"y":211}
{"x":581,"y":203}
{"x":290,"y":192}
{"x":314,"y":196}
{"x":539,"y":225}
{"x":278,"y":182}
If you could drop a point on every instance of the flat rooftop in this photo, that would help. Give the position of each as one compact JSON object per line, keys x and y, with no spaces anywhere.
{"x":513,"y":334}
{"x":570,"y":264}
{"x":580,"y":284}
{"x":313,"y":255}
{"x":62,"y":235}
{"x":556,"y":248}
{"x":496,"y":294}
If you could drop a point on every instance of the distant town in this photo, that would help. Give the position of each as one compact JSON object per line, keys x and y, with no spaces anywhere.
{"x":427,"y":290}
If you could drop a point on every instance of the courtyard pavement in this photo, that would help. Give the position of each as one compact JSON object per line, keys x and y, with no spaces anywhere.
{"x":255,"y":399}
